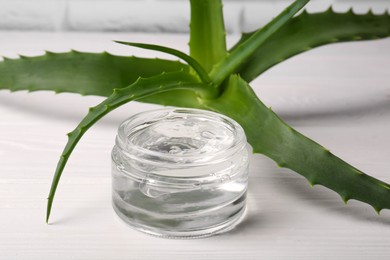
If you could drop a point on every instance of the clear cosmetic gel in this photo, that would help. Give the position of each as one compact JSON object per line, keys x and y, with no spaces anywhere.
{"x":180,"y":172}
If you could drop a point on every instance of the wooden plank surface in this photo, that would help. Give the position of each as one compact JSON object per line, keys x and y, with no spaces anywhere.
{"x":338,"y":95}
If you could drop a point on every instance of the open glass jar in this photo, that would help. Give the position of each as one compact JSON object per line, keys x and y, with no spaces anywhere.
{"x":180,"y":172}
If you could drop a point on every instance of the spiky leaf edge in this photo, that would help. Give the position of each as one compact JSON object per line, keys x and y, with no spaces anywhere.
{"x":141,"y":88}
{"x":83,"y":73}
{"x":270,"y":136}
{"x":311,"y":30}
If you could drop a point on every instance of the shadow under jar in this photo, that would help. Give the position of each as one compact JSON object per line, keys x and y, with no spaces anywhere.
{"x":180,"y":172}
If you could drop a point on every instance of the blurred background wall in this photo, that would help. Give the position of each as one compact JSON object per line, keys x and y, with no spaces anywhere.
{"x":150,"y":15}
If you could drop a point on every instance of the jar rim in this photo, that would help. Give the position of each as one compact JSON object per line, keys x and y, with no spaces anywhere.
{"x":129,"y":125}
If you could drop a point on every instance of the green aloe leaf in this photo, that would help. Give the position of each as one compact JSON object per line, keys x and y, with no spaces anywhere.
{"x":270,"y":136}
{"x":141,"y":88}
{"x":245,"y":49}
{"x":77,"y":72}
{"x":90,"y":74}
{"x":308,"y":31}
{"x":207,"y":34}
{"x":193,"y":63}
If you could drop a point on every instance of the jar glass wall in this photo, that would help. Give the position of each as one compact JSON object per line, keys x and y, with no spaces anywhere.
{"x":180,"y":172}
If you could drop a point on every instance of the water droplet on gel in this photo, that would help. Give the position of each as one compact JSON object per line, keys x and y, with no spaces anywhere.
{"x":174,"y":149}
{"x":225,"y":178}
{"x":198,"y":185}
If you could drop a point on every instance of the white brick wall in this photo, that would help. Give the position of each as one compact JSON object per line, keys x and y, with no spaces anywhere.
{"x":149,"y":15}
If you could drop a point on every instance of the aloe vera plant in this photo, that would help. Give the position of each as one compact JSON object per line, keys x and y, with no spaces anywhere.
{"x":217,"y":79}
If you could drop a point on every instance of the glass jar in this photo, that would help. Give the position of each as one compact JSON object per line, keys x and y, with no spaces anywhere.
{"x":180,"y":172}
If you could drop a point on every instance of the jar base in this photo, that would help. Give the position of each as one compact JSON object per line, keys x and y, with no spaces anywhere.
{"x":223,"y":227}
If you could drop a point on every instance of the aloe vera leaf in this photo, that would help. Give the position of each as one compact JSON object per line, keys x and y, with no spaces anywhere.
{"x":90,"y":74}
{"x":140,"y":88}
{"x":193,"y":63}
{"x":228,"y":65}
{"x":77,"y":72}
{"x":270,"y":136}
{"x":207,"y":32}
{"x":308,"y":31}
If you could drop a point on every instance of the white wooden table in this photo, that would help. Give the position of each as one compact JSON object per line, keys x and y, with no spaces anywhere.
{"x":338,"y":95}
